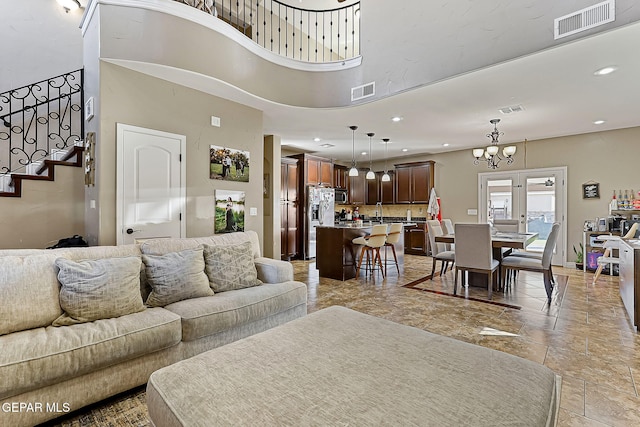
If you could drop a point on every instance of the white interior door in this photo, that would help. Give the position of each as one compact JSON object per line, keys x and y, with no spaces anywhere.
{"x":150,"y":184}
{"x":536,"y":197}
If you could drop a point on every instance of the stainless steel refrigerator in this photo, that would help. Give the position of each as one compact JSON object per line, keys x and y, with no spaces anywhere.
{"x":320,"y":211}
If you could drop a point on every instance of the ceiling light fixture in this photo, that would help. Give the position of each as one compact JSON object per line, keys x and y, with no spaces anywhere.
{"x":491,"y":153}
{"x":316,"y":139}
{"x":405,"y":150}
{"x":354,"y":170}
{"x":69,"y":4}
{"x":371,"y":174}
{"x":445,"y":145}
{"x":385,"y":175}
{"x":604,"y":71}
{"x":598,"y":122}
{"x":396,"y":119}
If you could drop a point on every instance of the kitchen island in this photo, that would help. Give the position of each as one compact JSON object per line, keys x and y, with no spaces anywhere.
{"x":337,"y":257}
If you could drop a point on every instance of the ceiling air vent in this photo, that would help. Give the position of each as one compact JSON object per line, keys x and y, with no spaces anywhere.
{"x":364,"y":91}
{"x":585,"y":19}
{"x":512,"y":109}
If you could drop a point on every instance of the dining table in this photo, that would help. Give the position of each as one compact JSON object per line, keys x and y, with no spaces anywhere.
{"x":503,"y":243}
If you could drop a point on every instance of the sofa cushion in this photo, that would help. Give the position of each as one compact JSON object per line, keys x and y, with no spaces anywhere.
{"x":176,"y":276}
{"x":98,"y":289}
{"x":29,"y":292}
{"x":226,"y":310}
{"x":166,"y":245}
{"x":38,"y":357}
{"x":230,"y":267}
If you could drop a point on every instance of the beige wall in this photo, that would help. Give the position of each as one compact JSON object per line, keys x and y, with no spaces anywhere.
{"x":46,"y":212}
{"x":139,"y":100}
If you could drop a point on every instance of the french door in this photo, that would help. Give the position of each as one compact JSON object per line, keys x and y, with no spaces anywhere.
{"x":536,"y":197}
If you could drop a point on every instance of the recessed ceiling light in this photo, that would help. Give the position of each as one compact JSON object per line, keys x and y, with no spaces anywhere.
{"x":606,"y":70}
{"x":364,"y":153}
{"x":445,"y":145}
{"x":396,"y":119}
{"x":316,"y":139}
{"x":405,"y":149}
{"x":598,"y":122}
{"x":327,"y":145}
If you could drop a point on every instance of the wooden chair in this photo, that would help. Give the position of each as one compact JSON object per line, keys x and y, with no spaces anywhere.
{"x":474,"y":253}
{"x":371,"y":246}
{"x":393,"y":237}
{"x":438,"y":250}
{"x":542,"y":264}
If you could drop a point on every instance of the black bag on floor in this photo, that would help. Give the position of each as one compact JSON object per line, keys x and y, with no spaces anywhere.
{"x":70,"y":242}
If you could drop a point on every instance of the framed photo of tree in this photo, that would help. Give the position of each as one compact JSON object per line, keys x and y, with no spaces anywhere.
{"x":228,"y":164}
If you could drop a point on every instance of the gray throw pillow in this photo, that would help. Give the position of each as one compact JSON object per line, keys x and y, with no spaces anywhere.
{"x":176,"y":276}
{"x":230,"y":267}
{"x":98,"y":289}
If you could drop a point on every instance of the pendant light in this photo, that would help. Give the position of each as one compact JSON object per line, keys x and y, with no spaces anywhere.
{"x":354,"y":170}
{"x":385,"y":176}
{"x":371,"y":174}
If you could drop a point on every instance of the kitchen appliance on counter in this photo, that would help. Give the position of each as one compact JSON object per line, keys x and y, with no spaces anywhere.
{"x":320,"y":211}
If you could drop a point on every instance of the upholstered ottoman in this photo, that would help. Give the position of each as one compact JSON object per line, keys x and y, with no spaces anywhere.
{"x":341,"y":367}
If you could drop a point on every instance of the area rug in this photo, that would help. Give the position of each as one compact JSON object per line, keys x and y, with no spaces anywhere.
{"x":528,"y":290}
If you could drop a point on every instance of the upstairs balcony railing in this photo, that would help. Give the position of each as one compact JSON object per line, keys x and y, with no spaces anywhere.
{"x":39,"y":118}
{"x":315,"y":36}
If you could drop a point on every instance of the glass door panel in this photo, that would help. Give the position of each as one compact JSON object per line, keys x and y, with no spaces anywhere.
{"x":499,"y":199}
{"x":540,"y":209}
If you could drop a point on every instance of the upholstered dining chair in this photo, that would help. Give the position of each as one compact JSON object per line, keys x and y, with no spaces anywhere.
{"x":474,"y":253}
{"x":393,"y":237}
{"x":507,"y":225}
{"x":611,"y":243}
{"x":542,"y":264}
{"x":439,"y":251}
{"x":371,"y":247}
{"x":447,"y":227}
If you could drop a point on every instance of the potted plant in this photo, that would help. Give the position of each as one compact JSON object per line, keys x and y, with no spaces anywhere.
{"x":579,"y":256}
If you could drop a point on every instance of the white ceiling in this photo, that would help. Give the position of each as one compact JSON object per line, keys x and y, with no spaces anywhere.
{"x":557,"y":88}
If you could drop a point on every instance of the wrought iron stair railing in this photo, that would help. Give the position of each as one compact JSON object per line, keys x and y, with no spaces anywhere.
{"x":38,"y":118}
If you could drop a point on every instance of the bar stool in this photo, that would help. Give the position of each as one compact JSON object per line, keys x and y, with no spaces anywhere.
{"x":393,"y":237}
{"x":371,"y":246}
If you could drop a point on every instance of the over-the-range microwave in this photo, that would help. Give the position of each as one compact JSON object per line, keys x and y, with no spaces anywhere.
{"x":342,"y":196}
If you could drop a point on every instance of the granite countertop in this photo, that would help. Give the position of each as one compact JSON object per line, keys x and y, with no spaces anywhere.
{"x":366,"y":224}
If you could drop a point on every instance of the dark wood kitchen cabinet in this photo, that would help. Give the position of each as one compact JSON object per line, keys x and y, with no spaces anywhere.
{"x":340,"y":176}
{"x":387,"y":189}
{"x":373,"y":190}
{"x":288,"y":209}
{"x":416,"y":239}
{"x":358,"y":189}
{"x":314,"y":170}
{"x":414,"y":182}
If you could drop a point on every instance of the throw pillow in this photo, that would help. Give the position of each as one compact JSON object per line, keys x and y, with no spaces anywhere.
{"x":176,"y":276}
{"x":230,"y":267}
{"x":98,"y":289}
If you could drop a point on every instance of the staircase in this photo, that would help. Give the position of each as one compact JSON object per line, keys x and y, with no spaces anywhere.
{"x":41,"y":125}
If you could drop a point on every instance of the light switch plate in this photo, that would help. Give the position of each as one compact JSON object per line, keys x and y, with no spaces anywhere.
{"x":472,"y":211}
{"x":215,"y":121}
{"x":253,"y":211}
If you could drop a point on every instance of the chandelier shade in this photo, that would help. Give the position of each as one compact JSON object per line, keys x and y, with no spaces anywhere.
{"x":490,"y":153}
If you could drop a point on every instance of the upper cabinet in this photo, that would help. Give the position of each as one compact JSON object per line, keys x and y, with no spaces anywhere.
{"x":387,"y":189}
{"x":340,"y":176}
{"x":315,"y":170}
{"x":358,"y":189}
{"x":414,"y":181}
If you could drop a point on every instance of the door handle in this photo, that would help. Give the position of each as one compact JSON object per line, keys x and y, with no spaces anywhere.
{"x":131,"y":231}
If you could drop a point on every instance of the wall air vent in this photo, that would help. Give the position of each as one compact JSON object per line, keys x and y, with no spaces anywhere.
{"x":511,"y":109}
{"x":364,"y":91}
{"x":585,"y":19}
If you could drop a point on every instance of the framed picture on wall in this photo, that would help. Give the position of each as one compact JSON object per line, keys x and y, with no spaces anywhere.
{"x":228,"y":164}
{"x":591,"y":190}
{"x":229,"y":215}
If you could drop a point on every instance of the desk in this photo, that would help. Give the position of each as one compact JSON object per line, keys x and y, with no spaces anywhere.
{"x":498,"y":241}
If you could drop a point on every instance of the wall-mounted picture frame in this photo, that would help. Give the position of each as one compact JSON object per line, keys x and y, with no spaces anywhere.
{"x":88,"y":109}
{"x":228,"y":164}
{"x":591,"y":190}
{"x":229,"y":215}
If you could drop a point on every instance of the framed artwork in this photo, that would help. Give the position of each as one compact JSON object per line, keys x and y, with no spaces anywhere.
{"x":591,"y":190}
{"x":229,"y":215}
{"x":228,"y":164}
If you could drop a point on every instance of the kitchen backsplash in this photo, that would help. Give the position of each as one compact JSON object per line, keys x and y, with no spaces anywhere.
{"x":399,"y":211}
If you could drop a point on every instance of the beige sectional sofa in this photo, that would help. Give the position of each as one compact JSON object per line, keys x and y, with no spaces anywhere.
{"x":48,"y":370}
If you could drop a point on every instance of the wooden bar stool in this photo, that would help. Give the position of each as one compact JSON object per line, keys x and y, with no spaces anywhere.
{"x":371,"y":246}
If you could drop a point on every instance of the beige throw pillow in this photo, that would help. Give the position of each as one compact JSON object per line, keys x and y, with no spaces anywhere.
{"x":176,"y":276}
{"x":98,"y":289}
{"x":230,"y":267}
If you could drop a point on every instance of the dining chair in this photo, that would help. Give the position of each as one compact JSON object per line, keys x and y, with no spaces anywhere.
{"x":439,"y":251}
{"x":447,"y":225}
{"x":610,"y":243}
{"x":507,"y":225}
{"x":542,"y":264}
{"x":371,"y":247}
{"x":393,"y":237}
{"x":474,"y":253}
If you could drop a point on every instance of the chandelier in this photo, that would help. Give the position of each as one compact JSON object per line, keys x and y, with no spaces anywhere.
{"x":490,"y":154}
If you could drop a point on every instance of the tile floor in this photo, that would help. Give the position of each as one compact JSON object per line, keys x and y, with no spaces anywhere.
{"x":583,"y":335}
